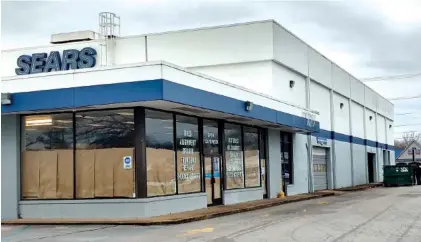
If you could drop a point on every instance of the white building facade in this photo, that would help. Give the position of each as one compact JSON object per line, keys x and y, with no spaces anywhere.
{"x":161,"y":123}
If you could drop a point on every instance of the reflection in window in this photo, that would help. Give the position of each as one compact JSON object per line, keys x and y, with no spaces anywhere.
{"x":188,"y":155}
{"x":233,"y":157}
{"x":286,"y":157}
{"x":47,"y":156}
{"x":104,"y":143}
{"x":160,"y":153}
{"x":251,"y":157}
{"x":210,"y":138}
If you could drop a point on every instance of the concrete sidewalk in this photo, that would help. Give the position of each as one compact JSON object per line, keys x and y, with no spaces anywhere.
{"x":184,"y":217}
{"x":359,"y":187}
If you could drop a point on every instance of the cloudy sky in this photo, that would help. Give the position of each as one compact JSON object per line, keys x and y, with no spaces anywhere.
{"x":367,"y":38}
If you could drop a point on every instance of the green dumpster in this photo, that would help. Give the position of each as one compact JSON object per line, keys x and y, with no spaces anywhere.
{"x":397,"y":175}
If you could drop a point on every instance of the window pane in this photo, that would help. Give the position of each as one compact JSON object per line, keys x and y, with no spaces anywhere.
{"x":188,"y":155}
{"x":251,"y":153}
{"x":105,"y":154}
{"x":210,"y":138}
{"x":233,"y":157}
{"x":47,"y":156}
{"x":160,"y":156}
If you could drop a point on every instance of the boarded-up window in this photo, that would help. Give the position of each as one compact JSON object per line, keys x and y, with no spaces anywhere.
{"x":105,"y":154}
{"x":251,"y":157}
{"x":188,"y":155}
{"x":47,"y":156}
{"x":160,"y":155}
{"x":233,"y":157}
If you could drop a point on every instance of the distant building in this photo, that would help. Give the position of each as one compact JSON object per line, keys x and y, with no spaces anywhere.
{"x":406,"y":156}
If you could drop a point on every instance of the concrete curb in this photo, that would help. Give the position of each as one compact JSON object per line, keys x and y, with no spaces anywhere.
{"x":178,"y":218}
{"x":359,"y":188}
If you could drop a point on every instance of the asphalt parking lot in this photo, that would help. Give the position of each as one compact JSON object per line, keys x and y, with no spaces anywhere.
{"x":374,"y":215}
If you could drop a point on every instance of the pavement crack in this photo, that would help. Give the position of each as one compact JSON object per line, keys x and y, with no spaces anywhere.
{"x":362,"y":224}
{"x":69,"y":233}
{"x":409,"y":228}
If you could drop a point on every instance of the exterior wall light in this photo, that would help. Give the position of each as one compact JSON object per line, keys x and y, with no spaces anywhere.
{"x":291,"y":83}
{"x":6,"y":99}
{"x":249,"y":106}
{"x":341,"y":105}
{"x":371,"y":117}
{"x":390,"y":126}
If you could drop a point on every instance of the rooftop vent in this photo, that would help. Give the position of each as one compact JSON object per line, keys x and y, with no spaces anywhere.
{"x":77,"y":36}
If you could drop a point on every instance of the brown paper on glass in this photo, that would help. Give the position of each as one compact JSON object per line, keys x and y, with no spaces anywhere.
{"x":263,"y":172}
{"x":238,"y":180}
{"x":123,"y":178}
{"x":252,"y":168}
{"x":85,"y":163}
{"x":47,"y":174}
{"x":65,"y":174}
{"x":104,"y":172}
{"x":30,"y":175}
{"x":160,"y":171}
{"x":208,"y":180}
{"x":188,"y":185}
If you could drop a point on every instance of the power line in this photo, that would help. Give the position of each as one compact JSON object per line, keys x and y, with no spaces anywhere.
{"x":405,"y":125}
{"x":396,"y":77}
{"x":404,"y":98}
{"x":401,"y":114}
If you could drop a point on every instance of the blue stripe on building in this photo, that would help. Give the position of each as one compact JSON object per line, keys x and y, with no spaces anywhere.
{"x":160,"y":89}
{"x":351,"y":139}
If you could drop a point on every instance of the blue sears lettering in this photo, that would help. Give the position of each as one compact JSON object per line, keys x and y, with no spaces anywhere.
{"x":70,"y":60}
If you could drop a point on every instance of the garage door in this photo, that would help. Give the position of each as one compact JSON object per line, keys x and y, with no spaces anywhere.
{"x":320,"y":168}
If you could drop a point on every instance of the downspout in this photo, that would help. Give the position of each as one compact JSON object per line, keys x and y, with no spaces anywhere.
{"x":332,"y":126}
{"x":351,"y":142}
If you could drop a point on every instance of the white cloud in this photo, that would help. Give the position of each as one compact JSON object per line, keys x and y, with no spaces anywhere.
{"x":367,"y":38}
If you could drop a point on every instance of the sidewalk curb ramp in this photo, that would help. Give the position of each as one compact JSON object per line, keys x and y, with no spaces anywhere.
{"x":189,"y":216}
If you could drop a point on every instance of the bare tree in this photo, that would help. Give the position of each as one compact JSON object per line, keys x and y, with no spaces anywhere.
{"x":410,"y":136}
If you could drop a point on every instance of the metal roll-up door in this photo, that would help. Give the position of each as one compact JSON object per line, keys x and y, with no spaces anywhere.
{"x":320,"y":168}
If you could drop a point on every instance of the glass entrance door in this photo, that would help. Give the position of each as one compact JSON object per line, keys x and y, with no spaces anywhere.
{"x":212,"y":161}
{"x":213,"y":179}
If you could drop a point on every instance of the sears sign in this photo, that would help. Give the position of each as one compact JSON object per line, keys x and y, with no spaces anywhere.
{"x":43,"y":62}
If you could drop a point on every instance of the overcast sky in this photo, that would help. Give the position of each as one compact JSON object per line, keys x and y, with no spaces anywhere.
{"x":367,"y":38}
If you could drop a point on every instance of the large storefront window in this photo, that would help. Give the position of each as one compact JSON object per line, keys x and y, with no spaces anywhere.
{"x":251,"y":157}
{"x":160,"y":155}
{"x":233,"y":157}
{"x":105,"y":154}
{"x":47,"y":156}
{"x":287,"y":158}
{"x":188,"y":154}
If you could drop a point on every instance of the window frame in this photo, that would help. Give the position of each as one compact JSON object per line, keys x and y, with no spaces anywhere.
{"x":139,"y":117}
{"x":74,"y":113}
{"x":200,"y":146}
{"x":290,"y":156}
{"x":22,"y":145}
{"x":223,"y":146}
{"x":244,"y":156}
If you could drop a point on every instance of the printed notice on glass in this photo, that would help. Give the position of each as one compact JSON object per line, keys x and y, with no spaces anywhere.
{"x":189,"y":159}
{"x":127,"y":162}
{"x":234,"y":158}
